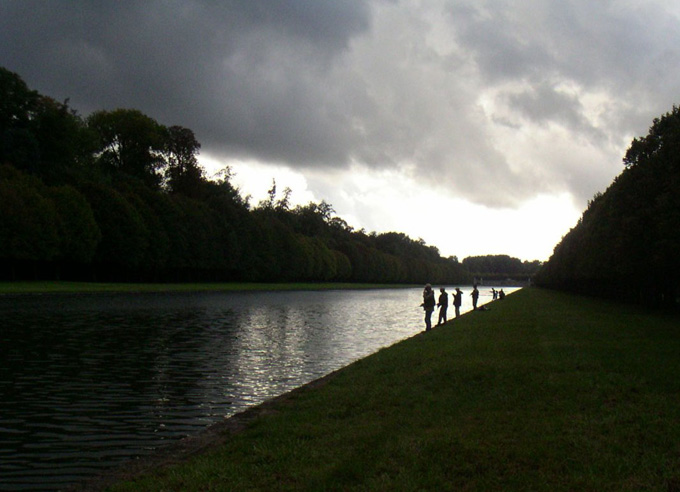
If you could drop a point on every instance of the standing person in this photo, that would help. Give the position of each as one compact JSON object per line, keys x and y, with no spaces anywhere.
{"x":428,"y":306}
{"x":475,"y":297}
{"x":457,"y":300}
{"x":443,"y":305}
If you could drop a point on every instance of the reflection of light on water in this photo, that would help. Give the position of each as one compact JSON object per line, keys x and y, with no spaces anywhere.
{"x":271,"y":351}
{"x":89,"y":381}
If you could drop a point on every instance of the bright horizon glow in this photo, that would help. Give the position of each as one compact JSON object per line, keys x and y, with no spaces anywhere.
{"x":480,"y":128}
{"x":385,"y":202}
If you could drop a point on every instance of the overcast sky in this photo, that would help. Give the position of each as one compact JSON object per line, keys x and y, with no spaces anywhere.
{"x":480,"y":126}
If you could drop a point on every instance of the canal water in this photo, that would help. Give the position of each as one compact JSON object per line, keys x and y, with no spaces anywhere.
{"x":89,"y":381}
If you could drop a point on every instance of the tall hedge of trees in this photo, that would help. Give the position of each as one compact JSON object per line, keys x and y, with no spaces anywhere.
{"x":500,"y":267}
{"x":627,"y":241}
{"x":117,"y":196}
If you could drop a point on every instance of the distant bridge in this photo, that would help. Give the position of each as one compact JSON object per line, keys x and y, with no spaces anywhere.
{"x":506,"y":282}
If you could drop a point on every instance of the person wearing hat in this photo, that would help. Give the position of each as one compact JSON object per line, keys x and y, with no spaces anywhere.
{"x":457,"y":300}
{"x":475,"y":297}
{"x":428,"y":306}
{"x":443,"y":305}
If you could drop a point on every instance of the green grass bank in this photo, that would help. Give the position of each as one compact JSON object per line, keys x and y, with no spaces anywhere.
{"x":545,"y":391}
{"x":98,"y":287}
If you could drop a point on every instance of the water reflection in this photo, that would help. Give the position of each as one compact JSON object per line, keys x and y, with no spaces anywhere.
{"x":88,"y":381}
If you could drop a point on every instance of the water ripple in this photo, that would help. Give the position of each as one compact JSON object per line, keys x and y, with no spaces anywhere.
{"x":89,"y":381}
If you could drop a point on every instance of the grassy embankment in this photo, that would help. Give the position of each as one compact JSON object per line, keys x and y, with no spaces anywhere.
{"x":94,"y":287}
{"x":545,"y":391}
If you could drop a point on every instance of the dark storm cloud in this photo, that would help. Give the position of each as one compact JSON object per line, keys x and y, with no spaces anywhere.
{"x":624,"y":48}
{"x":443,"y":91}
{"x":544,"y":104}
{"x":244,"y":75}
{"x":599,"y":71}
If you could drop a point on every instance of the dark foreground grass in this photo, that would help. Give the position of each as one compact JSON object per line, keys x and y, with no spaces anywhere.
{"x":545,"y":391}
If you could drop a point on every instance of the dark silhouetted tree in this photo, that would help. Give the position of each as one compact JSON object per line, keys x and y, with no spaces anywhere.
{"x":183,"y":173}
{"x":130,"y":142}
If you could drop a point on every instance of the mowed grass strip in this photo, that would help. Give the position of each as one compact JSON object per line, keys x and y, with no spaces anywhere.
{"x":545,"y":391}
{"x":64,"y":287}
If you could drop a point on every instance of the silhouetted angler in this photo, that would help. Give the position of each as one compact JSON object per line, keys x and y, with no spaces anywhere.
{"x":428,"y":306}
{"x":443,"y":305}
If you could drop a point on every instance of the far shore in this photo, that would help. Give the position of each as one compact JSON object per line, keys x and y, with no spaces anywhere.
{"x":64,"y":287}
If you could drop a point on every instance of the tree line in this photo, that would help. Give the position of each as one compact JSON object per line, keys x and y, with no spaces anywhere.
{"x":500,"y":267}
{"x":626,"y":243}
{"x":116,"y":196}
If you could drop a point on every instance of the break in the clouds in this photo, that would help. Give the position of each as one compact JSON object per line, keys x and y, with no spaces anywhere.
{"x":492,"y":102}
